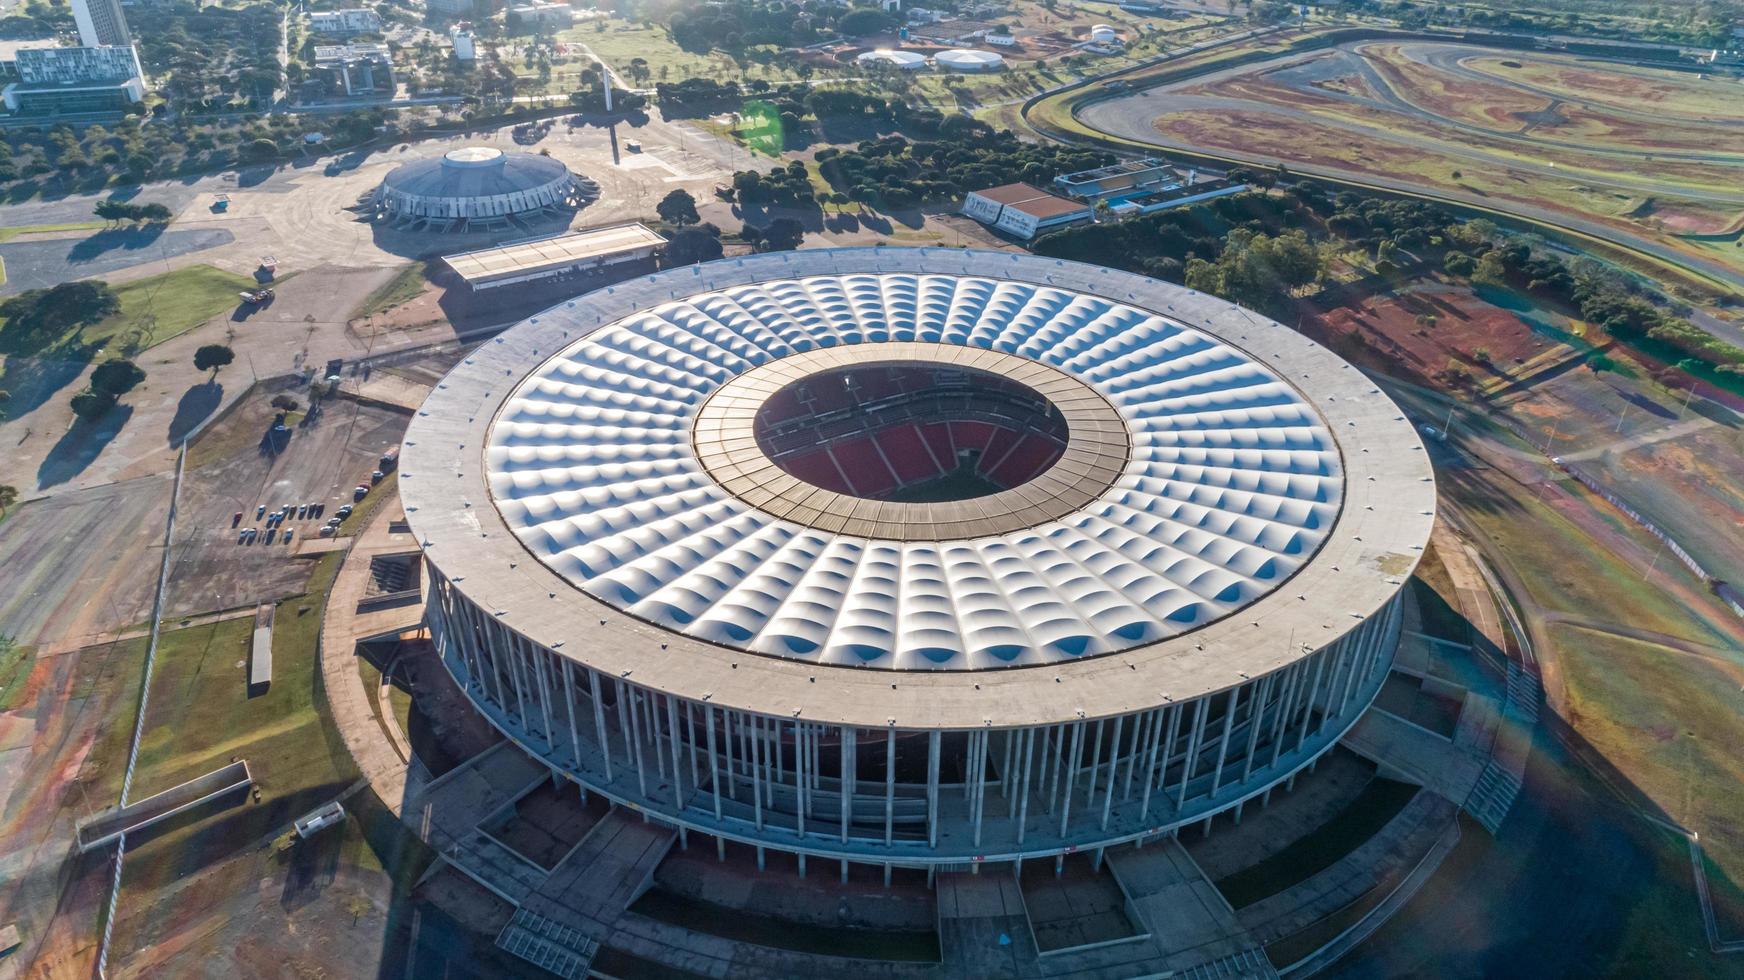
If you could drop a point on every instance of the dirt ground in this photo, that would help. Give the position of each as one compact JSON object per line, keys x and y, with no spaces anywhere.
{"x":321,"y":461}
{"x":73,"y":563}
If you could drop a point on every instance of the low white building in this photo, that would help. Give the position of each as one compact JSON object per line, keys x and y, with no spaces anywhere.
{"x":541,"y":14}
{"x":351,"y":20}
{"x":1023,"y":210}
{"x":465,"y":48}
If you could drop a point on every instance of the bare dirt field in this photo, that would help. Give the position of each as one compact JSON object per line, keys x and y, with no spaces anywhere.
{"x":81,"y":564}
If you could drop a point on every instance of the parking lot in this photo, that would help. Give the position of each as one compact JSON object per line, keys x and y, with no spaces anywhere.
{"x":241,"y":466}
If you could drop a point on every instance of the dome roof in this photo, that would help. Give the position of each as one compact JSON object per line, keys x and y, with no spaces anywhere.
{"x":1196,"y":481}
{"x":900,"y":59}
{"x":968,"y":59}
{"x":475,"y":171}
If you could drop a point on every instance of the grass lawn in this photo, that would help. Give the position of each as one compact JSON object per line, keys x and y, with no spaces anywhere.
{"x":1378,"y":803}
{"x":7,"y":234}
{"x":407,"y":284}
{"x":367,"y":507}
{"x":158,"y":308}
{"x":201,"y":716}
{"x":15,"y":663}
{"x":622,"y":41}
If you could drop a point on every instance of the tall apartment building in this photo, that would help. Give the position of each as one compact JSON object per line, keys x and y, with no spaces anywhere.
{"x":101,"y":23}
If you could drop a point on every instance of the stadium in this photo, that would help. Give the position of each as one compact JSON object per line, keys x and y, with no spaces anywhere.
{"x":478,"y":186}
{"x":915,"y":558}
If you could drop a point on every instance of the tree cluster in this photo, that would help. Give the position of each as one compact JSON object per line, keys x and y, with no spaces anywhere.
{"x":210,"y":57}
{"x":894,"y":173}
{"x":734,"y":25}
{"x":109,"y":382}
{"x":690,"y":245}
{"x":38,"y":317}
{"x":110,"y":209}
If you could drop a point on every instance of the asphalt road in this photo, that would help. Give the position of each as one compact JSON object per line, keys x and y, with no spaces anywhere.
{"x":37,"y":264}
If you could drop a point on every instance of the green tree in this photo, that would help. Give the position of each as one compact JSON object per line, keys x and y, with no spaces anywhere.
{"x":117,"y":377}
{"x":865,"y":20}
{"x":678,"y":208}
{"x":211,"y":357}
{"x":38,"y":316}
{"x":92,"y":405}
{"x":780,"y":235}
{"x":8,"y":497}
{"x":688,"y":246}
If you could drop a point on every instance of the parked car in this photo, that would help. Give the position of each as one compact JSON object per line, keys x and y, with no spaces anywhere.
{"x":376,"y":477}
{"x":271,"y":532}
{"x":345,"y":510}
{"x":302,"y":511}
{"x":260,"y":512}
{"x":327,"y":530}
{"x":236,"y":518}
{"x":252,"y":534}
{"x":242,"y":536}
{"x":289,"y":531}
{"x":360,"y":491}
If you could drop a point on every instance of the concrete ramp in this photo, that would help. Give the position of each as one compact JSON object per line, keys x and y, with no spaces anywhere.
{"x":983,"y":927}
{"x":106,"y":827}
{"x":611,"y":868}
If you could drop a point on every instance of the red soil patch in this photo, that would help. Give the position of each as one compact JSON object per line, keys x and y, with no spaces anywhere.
{"x":1387,"y":329}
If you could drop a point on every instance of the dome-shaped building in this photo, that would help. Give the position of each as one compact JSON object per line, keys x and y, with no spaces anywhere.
{"x":968,"y":60}
{"x":901,"y":60}
{"x":479,"y":183}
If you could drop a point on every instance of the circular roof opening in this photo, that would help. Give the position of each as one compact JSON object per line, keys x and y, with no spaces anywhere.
{"x":472,"y":156}
{"x":911,"y":431}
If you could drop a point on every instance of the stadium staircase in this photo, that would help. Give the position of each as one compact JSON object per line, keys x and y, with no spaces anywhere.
{"x":548,"y":945}
{"x":1247,"y":963}
{"x":1499,"y":784}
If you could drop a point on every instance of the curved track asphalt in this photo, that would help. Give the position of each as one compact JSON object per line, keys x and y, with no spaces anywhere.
{"x":1129,"y":118}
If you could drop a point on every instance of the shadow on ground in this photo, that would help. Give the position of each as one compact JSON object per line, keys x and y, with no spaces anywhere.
{"x":82,"y":444}
{"x":109,"y":240}
{"x":197,"y":404}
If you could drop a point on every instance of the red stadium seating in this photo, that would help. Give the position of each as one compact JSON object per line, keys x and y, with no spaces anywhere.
{"x":937,"y":436}
{"x":815,"y":468}
{"x":862,"y":465}
{"x":972,"y":435}
{"x":1025,"y":460}
{"x":907,"y":454}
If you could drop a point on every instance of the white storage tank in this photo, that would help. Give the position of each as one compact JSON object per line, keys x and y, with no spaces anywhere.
{"x":904,"y":60}
{"x":968,"y":60}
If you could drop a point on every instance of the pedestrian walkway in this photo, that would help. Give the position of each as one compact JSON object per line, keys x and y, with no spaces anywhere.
{"x":342,"y":628}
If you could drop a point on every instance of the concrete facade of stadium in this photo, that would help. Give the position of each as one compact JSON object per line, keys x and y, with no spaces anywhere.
{"x":941,"y":770}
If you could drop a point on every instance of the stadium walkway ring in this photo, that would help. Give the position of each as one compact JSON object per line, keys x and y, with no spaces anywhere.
{"x":1356,"y":575}
{"x":1096,"y":452}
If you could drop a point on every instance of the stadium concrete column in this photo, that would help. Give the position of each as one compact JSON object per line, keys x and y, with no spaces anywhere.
{"x":932,"y":790}
{"x":1193,"y":739}
{"x":714,"y":764}
{"x":889,"y":792}
{"x":567,"y":669}
{"x":1095,"y":764}
{"x":599,"y":721}
{"x":1071,"y":774}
